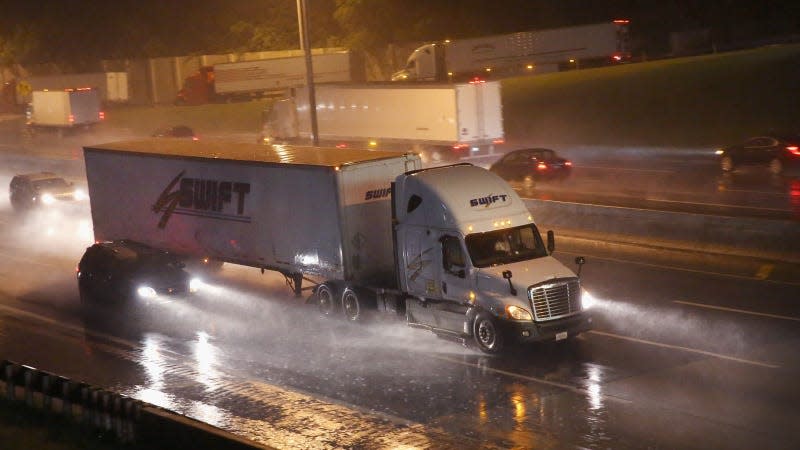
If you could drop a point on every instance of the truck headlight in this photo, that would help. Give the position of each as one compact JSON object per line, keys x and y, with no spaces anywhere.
{"x":517,"y":313}
{"x":587,"y":300}
{"x":146,"y":292}
{"x":195,"y":284}
{"x":48,"y":199}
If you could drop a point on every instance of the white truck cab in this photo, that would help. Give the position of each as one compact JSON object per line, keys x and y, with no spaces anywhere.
{"x":473,"y":262}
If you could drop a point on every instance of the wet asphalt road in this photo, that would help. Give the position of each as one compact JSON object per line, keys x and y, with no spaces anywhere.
{"x":682,"y":356}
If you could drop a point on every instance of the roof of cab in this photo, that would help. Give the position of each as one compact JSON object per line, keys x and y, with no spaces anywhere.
{"x":244,"y":151}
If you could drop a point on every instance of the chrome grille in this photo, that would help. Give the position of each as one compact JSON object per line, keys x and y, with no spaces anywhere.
{"x":555,"y":298}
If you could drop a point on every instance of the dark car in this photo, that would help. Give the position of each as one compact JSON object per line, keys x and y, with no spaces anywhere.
{"x":536,"y":163}
{"x":128,"y":270}
{"x":179,"y":131}
{"x":41,"y":189}
{"x":779,"y":152}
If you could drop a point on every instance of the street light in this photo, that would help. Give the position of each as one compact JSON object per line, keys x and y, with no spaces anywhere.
{"x":305,"y":45}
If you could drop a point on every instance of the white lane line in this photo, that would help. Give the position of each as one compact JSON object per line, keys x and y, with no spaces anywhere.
{"x":623,"y":169}
{"x":28,"y":260}
{"x":681,"y":269}
{"x":686,"y":349}
{"x":741,"y":311}
{"x":555,"y":384}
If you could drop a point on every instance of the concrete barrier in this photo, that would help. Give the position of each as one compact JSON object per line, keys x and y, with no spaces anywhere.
{"x":762,"y":238}
{"x":131,"y":420}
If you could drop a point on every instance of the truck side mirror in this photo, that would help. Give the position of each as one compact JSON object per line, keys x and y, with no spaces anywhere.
{"x":551,"y":241}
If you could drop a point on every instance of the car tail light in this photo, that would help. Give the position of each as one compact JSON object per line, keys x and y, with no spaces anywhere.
{"x":341,"y":145}
{"x":101,"y":115}
{"x":71,"y":118}
{"x":568,"y":163}
{"x":793,"y":149}
{"x":541,"y":166}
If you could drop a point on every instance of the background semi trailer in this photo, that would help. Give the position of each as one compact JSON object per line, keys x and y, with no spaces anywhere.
{"x":64,"y":109}
{"x":518,"y":53}
{"x":255,"y":79}
{"x":452,"y":249}
{"x":112,"y":87}
{"x":438,"y":121}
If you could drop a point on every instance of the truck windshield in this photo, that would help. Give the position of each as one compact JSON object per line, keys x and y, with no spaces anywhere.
{"x":505,"y":246}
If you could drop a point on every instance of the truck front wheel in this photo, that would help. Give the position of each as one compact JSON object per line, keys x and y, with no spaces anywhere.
{"x":326,"y":299}
{"x":486,"y":334}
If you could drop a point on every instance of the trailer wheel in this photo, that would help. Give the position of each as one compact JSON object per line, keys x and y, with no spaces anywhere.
{"x":487,"y":336}
{"x":326,"y":299}
{"x":351,"y":305}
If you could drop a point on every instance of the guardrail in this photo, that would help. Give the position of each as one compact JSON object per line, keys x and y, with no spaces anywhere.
{"x":131,"y":420}
{"x":762,"y":238}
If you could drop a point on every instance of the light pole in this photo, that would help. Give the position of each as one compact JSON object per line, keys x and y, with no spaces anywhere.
{"x":305,"y":45}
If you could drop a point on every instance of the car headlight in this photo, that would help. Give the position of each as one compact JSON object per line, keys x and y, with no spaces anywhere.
{"x":587,"y":300}
{"x":146,"y":292}
{"x":517,"y":313}
{"x":79,"y":194}
{"x":719,"y":151}
{"x":195,"y":284}
{"x":48,"y":199}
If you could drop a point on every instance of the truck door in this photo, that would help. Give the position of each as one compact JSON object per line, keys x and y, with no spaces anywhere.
{"x":455,"y":285}
{"x":419,"y":270}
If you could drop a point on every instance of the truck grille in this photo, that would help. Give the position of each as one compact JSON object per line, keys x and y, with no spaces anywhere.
{"x":555,"y":298}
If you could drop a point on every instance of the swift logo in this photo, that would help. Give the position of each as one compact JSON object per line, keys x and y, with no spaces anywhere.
{"x":488,"y":200}
{"x":377,"y":193}
{"x":202,"y":198}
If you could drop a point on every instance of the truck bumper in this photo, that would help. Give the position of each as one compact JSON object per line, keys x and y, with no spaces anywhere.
{"x":554,"y":330}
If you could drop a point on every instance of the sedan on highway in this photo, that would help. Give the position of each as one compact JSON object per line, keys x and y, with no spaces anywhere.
{"x":127,"y":270}
{"x":178,"y":131}
{"x":39,"y":189}
{"x":535,"y":163}
{"x":779,"y":152}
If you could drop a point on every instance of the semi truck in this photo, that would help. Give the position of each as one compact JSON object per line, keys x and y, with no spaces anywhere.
{"x":255,"y":79}
{"x":441,"y":122}
{"x":64,"y":110}
{"x":521,"y":53}
{"x":451,"y":249}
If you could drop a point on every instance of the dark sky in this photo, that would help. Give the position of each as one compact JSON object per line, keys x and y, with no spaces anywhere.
{"x":120,"y":28}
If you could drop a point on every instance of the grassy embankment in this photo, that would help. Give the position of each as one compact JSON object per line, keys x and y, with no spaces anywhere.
{"x":703,"y":100}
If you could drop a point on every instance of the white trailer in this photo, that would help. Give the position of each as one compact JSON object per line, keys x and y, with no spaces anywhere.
{"x":258,"y":77}
{"x":64,"y":109}
{"x":526,"y":52}
{"x":112,"y":86}
{"x":435,"y":247}
{"x":439,"y":121}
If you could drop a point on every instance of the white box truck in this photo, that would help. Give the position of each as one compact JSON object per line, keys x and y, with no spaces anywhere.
{"x":439,"y":121}
{"x":513,"y":54}
{"x":64,"y":109}
{"x":255,"y":79}
{"x":452,"y":249}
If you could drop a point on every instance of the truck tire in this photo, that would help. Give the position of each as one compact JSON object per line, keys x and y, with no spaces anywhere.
{"x":326,"y":299}
{"x":352,"y":305}
{"x":487,"y":336}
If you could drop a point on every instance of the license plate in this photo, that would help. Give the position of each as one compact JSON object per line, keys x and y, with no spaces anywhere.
{"x":561,"y":336}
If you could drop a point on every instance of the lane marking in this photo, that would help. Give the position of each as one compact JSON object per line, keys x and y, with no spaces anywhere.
{"x":764,"y":271}
{"x":625,"y":169}
{"x":27,"y":260}
{"x":555,"y":384}
{"x":741,"y":311}
{"x":686,"y":349}
{"x":682,"y":269}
